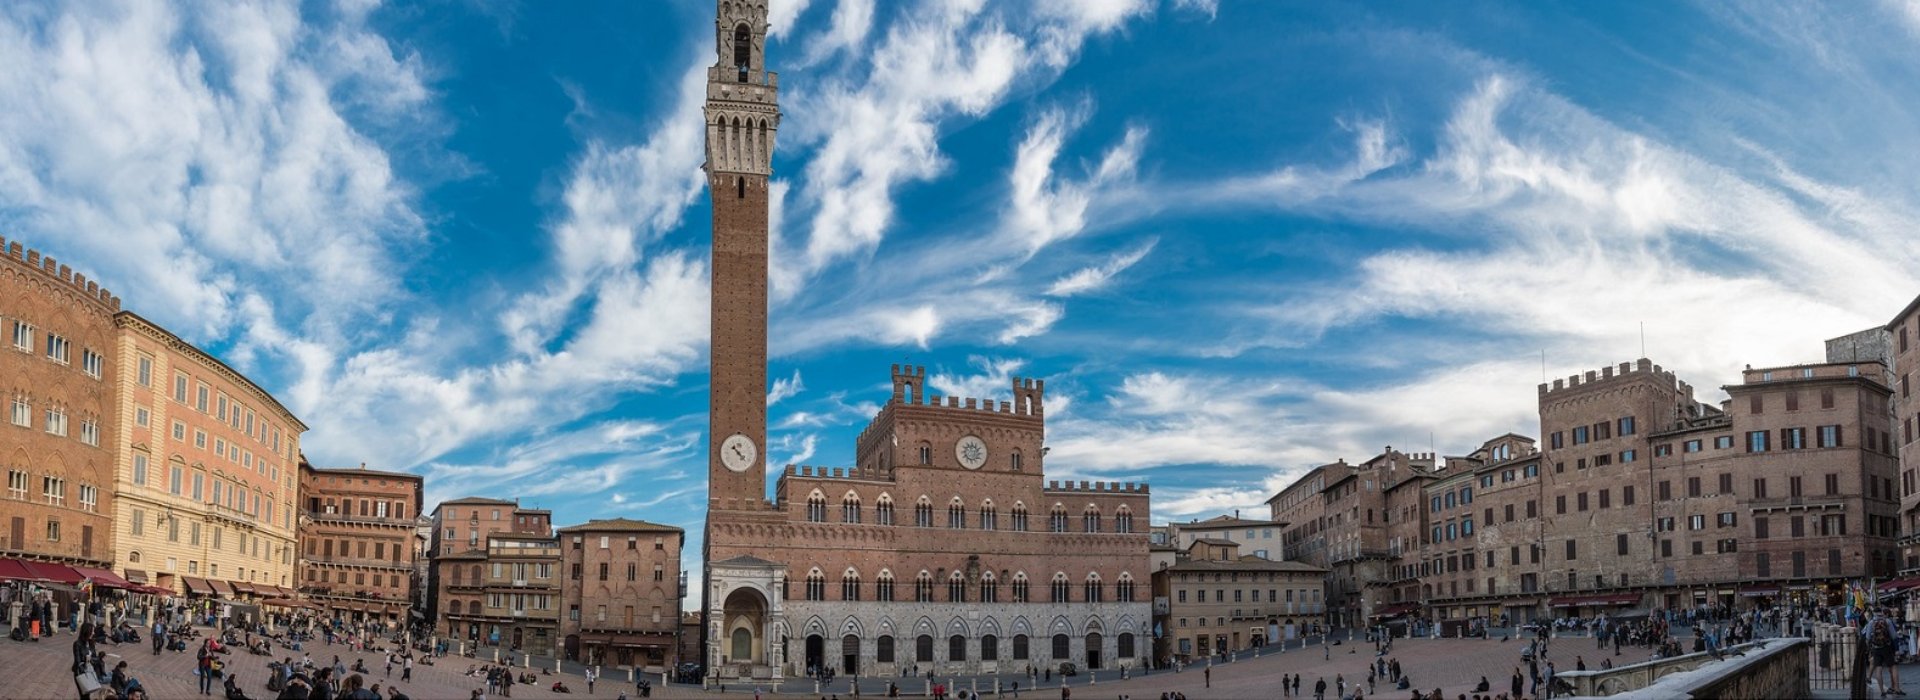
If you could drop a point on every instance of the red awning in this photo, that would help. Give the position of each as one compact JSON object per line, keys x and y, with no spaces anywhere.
{"x":102,"y":577}
{"x":16,"y":570}
{"x":57,"y":573}
{"x":221,"y":587}
{"x":1900,"y":584}
{"x":1594,"y":600}
{"x":241,"y":587}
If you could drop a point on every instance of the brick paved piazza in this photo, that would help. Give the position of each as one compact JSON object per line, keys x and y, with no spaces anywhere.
{"x":33,"y":670}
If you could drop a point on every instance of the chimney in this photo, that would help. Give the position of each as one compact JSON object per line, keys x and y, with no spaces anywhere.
{"x":363,"y":465}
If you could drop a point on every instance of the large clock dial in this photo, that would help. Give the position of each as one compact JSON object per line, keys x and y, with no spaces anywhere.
{"x":971,"y":451}
{"x":738,"y":452}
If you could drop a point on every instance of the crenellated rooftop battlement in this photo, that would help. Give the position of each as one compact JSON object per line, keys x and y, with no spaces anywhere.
{"x":1107,"y":487}
{"x":910,"y":389}
{"x":46,"y":265}
{"x":822,"y":472}
{"x":1636,"y":370}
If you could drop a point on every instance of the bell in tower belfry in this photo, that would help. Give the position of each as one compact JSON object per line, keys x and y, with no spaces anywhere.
{"x":743,"y":109}
{"x":742,"y":115}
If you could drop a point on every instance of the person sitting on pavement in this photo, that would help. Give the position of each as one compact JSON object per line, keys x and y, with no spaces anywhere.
{"x":232,"y":687}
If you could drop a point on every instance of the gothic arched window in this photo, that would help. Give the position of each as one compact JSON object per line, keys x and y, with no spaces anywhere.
{"x":816,"y":585}
{"x":923,"y":587}
{"x":816,"y":508}
{"x":850,"y":585}
{"x":923,"y":513}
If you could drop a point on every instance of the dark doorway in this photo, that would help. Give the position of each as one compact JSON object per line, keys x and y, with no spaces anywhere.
{"x":816,"y":653}
{"x":850,"y":655}
{"x":1093,"y":651}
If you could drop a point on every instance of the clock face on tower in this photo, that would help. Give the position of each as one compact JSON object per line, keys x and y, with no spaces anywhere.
{"x":971,"y":451}
{"x":738,"y":452}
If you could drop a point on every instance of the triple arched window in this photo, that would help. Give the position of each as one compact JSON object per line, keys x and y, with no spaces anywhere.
{"x":816,"y":508}
{"x":816,"y":585}
{"x":850,"y":508}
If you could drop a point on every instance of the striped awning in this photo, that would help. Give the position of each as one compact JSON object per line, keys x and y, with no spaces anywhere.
{"x":136,"y":576}
{"x":197,"y":585}
{"x":221,"y":587}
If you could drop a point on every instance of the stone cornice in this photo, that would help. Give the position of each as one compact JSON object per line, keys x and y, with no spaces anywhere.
{"x":134,"y":322}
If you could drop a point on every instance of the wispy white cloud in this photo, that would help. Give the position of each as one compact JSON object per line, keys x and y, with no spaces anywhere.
{"x":781,"y":15}
{"x":1210,"y":8}
{"x":992,"y":378}
{"x":599,"y":457}
{"x":197,"y":154}
{"x":1088,"y":279}
{"x":618,"y":200}
{"x":852,"y":20}
{"x":874,"y":131}
{"x":1047,"y":208}
{"x":785,"y":388}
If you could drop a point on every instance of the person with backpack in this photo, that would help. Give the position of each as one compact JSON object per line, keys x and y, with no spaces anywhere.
{"x":1883,"y":648}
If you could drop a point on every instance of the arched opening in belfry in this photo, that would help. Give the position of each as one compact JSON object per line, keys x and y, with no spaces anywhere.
{"x":742,"y":50}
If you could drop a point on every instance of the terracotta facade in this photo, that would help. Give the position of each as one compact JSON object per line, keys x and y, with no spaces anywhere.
{"x":57,"y":373}
{"x":620,"y":597}
{"x":495,"y":578}
{"x":357,"y":541}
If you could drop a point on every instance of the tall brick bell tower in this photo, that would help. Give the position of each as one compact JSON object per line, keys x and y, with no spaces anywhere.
{"x":743,"y":618}
{"x":742,"y":114}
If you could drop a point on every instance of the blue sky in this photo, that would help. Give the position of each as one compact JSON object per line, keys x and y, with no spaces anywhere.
{"x":469,"y":240}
